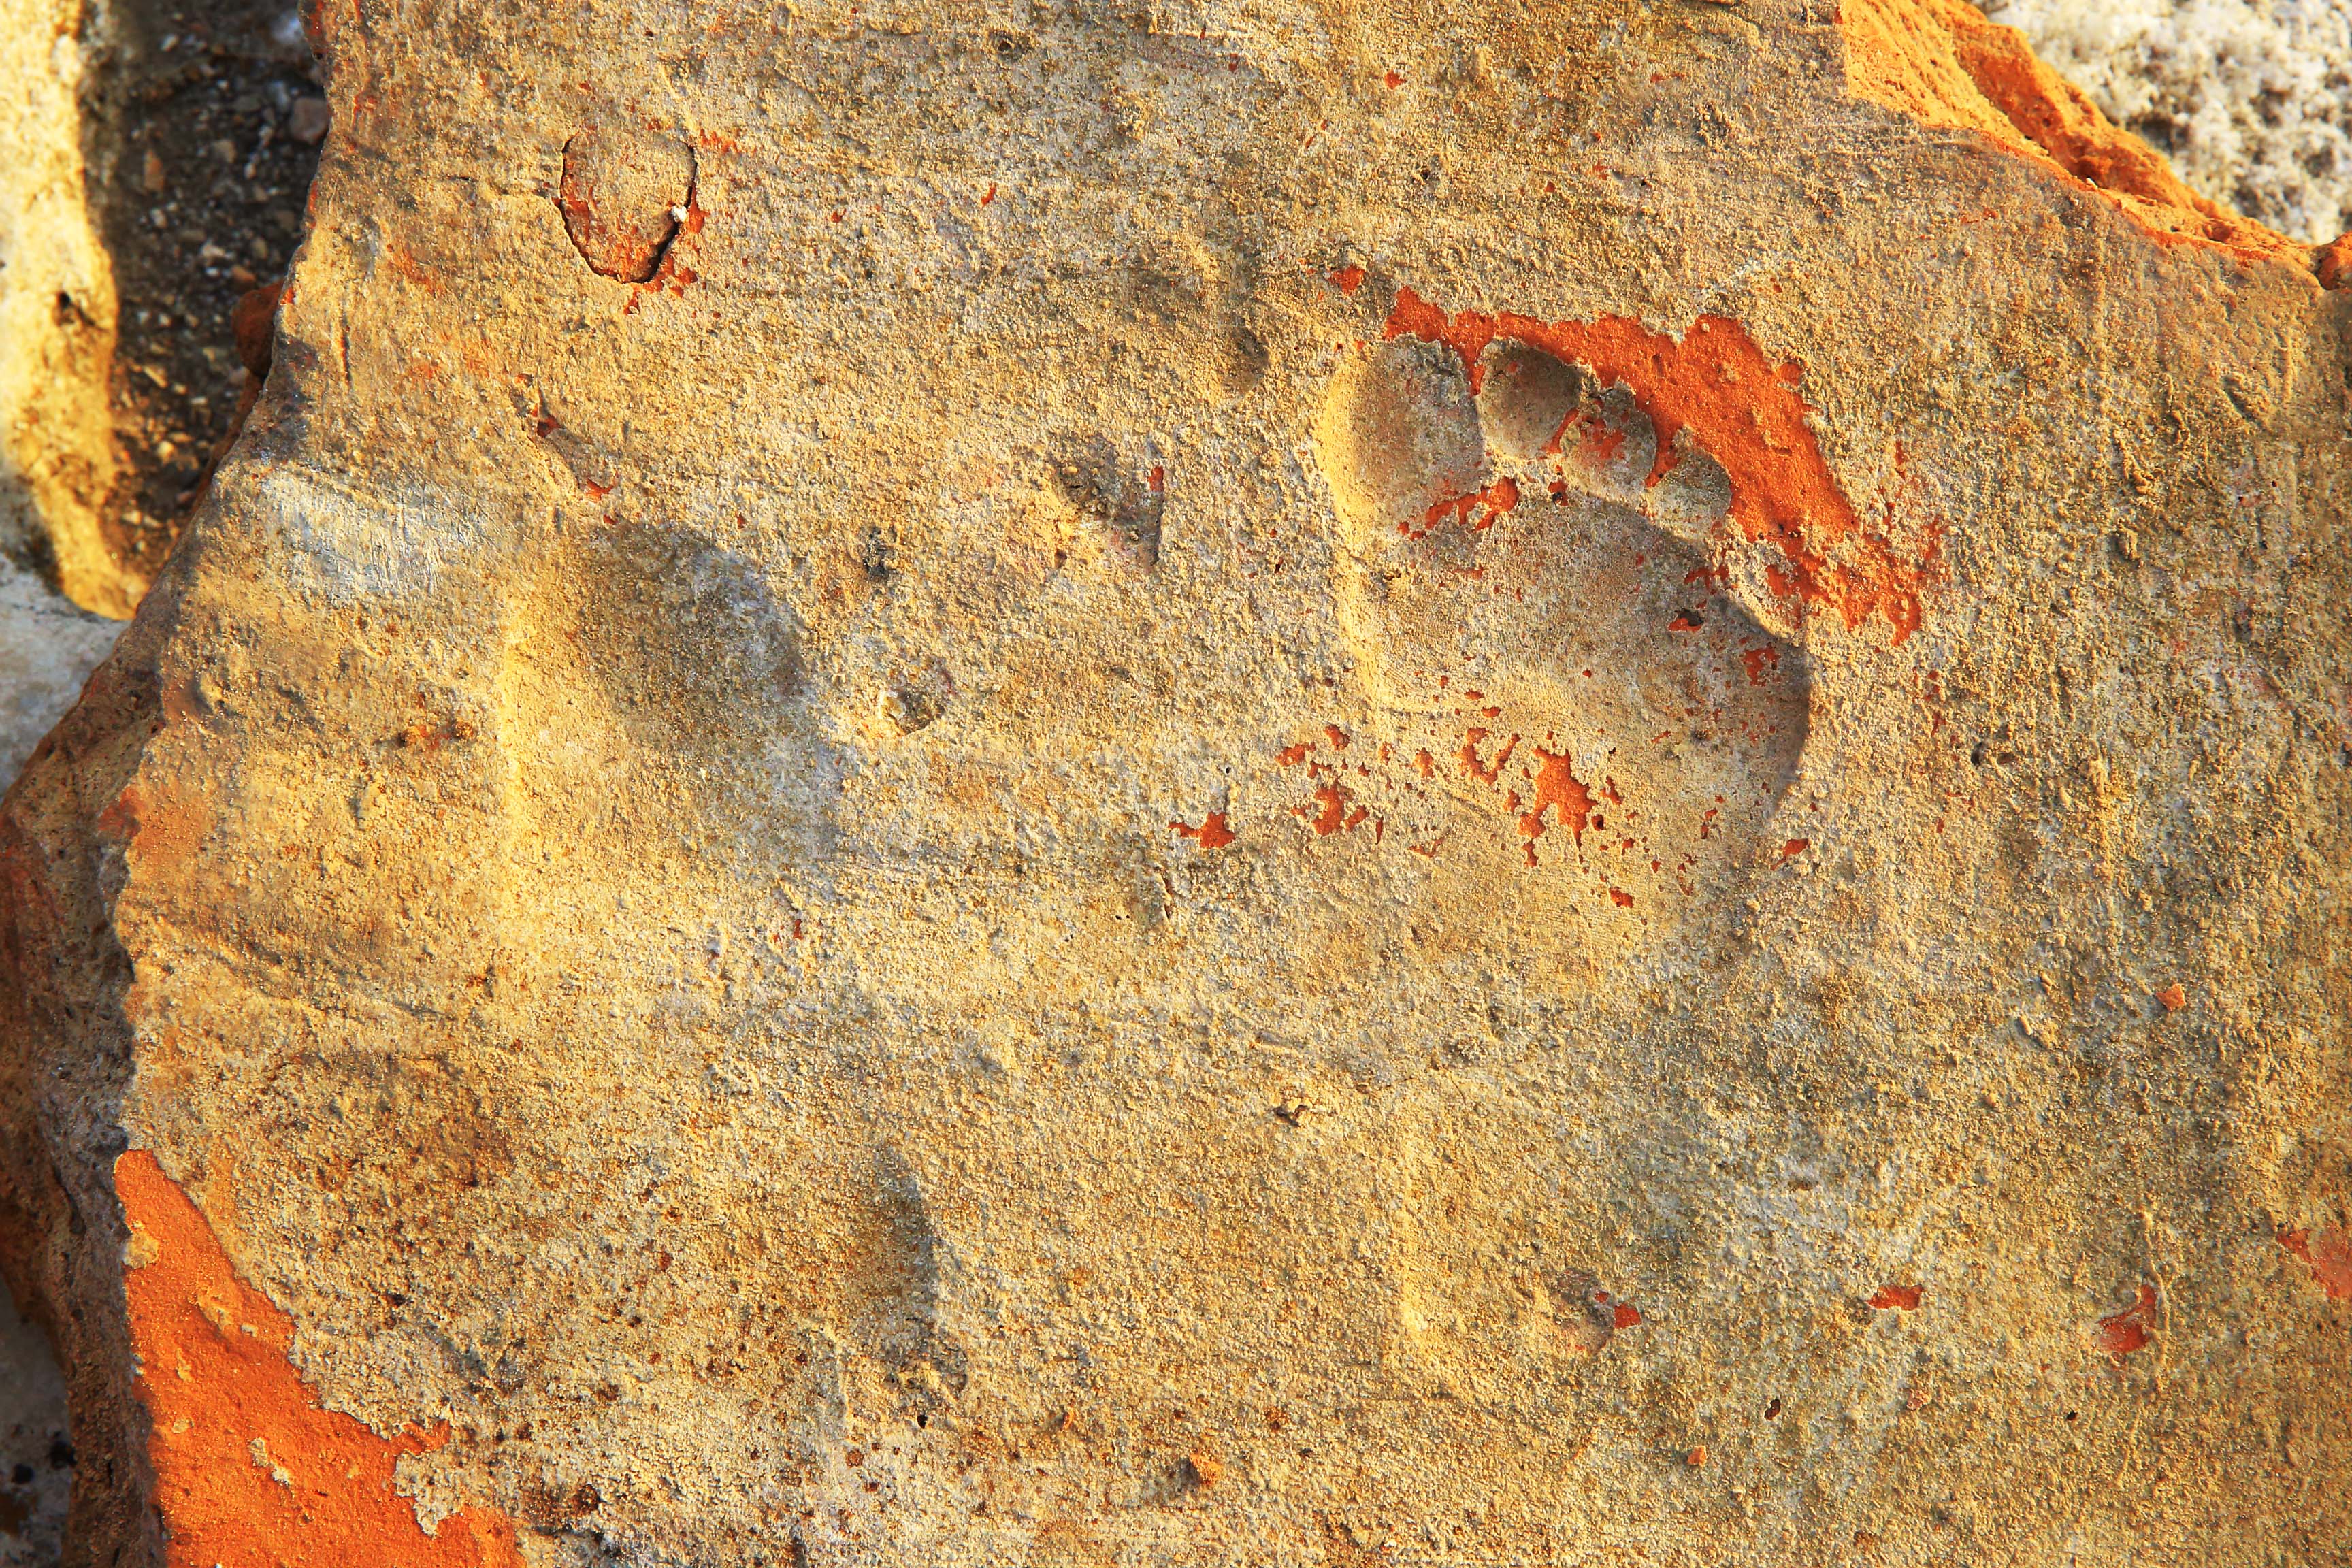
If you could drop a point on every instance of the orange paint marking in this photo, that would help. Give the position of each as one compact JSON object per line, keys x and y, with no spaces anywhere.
{"x":992,"y":193}
{"x":1291,"y":756}
{"x":1213,"y":834}
{"x":1337,"y":736}
{"x":1423,"y":763}
{"x":2128,"y":1331}
{"x":1744,"y":411}
{"x":250,"y":1472}
{"x":1899,"y":1298}
{"x":1598,"y":442}
{"x":2330,"y":1254}
{"x":2173,"y":997}
{"x":1792,"y":849}
{"x":1497,"y":499}
{"x":1759,"y":660}
{"x":1348,"y":278}
{"x":1334,"y":797}
{"x":1393,"y":79}
{"x":1468,"y":756}
{"x":1557,"y":787}
{"x":1625,"y":1317}
{"x":1621,"y":899}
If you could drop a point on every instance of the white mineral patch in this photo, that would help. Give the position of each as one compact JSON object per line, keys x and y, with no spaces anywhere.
{"x":48,"y":649}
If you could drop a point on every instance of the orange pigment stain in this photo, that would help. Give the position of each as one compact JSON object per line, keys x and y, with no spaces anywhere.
{"x":1337,"y":736}
{"x":1625,"y":1317}
{"x":2173,"y":997}
{"x":1336,"y":810}
{"x":249,"y":1471}
{"x":1897,"y":1298}
{"x":1598,"y":442}
{"x":404,"y":261}
{"x":1348,"y":278}
{"x":1393,"y":79}
{"x":1621,"y":897}
{"x":1557,"y":788}
{"x":1213,"y":832}
{"x":1497,"y":499}
{"x":1291,"y":756}
{"x":2330,"y":1254}
{"x":2125,"y":1331}
{"x":1792,"y":849}
{"x":1759,"y":660}
{"x":1468,"y":756}
{"x":1744,"y":411}
{"x":990,"y":197}
{"x":1423,"y":763}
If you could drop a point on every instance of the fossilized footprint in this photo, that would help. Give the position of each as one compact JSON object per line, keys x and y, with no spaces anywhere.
{"x":1527,"y":586}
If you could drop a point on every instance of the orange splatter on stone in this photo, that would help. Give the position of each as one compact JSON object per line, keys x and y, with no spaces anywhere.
{"x":1291,"y":756}
{"x":1621,"y":897}
{"x":1624,"y":1317}
{"x":1744,"y":411}
{"x":2123,"y":1333}
{"x":1557,"y":787}
{"x":1348,"y":278}
{"x":250,"y":1472}
{"x":2330,"y":1254}
{"x":1792,"y":849}
{"x":1497,"y":499}
{"x":1468,"y":756}
{"x":2173,"y":997}
{"x":1897,"y":1298}
{"x":1333,"y":800}
{"x":1337,"y":736}
{"x":1213,"y":834}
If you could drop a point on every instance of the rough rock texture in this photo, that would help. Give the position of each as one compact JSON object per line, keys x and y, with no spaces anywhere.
{"x":2251,"y":98}
{"x":56,"y":318}
{"x":1238,"y":782}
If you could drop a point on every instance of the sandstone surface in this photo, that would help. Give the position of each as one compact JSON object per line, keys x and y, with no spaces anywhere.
{"x":1223,"y":783}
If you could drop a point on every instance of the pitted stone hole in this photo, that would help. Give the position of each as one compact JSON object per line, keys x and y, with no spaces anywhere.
{"x":1120,"y":502}
{"x":1532,"y":590}
{"x":625,"y":195}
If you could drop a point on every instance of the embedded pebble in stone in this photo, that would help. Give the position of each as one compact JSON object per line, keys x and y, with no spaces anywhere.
{"x":623,"y":191}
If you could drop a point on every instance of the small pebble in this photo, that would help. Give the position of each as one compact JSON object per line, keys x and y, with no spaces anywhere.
{"x":152,"y":178}
{"x":307,"y":120}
